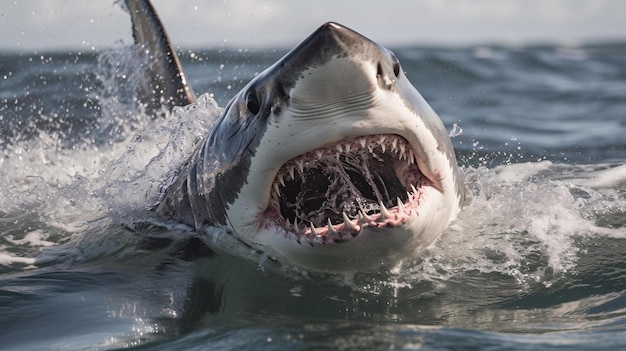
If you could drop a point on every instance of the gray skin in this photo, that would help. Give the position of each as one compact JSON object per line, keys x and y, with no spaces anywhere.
{"x":164,"y":83}
{"x":214,"y":187}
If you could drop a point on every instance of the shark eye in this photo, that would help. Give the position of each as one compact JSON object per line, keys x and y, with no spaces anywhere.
{"x":252,"y":103}
{"x":396,"y":65}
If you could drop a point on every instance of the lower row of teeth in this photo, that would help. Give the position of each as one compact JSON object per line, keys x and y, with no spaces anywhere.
{"x":350,"y":226}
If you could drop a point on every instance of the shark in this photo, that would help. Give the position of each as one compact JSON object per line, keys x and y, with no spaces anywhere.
{"x":329,"y":160}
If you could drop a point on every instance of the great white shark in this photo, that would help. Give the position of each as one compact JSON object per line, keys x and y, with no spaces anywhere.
{"x":329,"y":160}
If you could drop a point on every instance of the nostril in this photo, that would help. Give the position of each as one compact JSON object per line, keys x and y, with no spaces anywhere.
{"x":379,"y":70}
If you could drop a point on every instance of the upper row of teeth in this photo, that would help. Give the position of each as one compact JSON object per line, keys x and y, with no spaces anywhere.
{"x":394,"y":143}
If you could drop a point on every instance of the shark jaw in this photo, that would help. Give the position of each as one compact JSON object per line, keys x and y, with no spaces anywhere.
{"x":330,"y":194}
{"x":354,"y":171}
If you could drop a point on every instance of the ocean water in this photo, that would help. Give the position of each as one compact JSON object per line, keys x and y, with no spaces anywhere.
{"x":536,"y":261}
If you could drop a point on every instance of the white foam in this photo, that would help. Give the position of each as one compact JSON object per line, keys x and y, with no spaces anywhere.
{"x":601,"y":177}
{"x":524,"y":221}
{"x":8,"y":260}
{"x":59,"y":192}
{"x":35,"y":238}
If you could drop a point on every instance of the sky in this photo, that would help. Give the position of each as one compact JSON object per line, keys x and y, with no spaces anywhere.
{"x":48,"y":25}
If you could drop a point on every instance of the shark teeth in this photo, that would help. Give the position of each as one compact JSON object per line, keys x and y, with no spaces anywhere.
{"x":348,"y":224}
{"x":400,"y":205}
{"x":350,"y":228}
{"x":307,"y":232}
{"x":300,"y":164}
{"x":384,"y":213}
{"x":386,"y":142}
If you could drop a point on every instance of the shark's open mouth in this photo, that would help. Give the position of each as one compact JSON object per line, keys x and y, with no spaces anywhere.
{"x":331,"y":193}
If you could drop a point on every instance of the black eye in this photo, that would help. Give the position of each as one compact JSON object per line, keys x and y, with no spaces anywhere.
{"x":396,"y":65}
{"x":252,"y":103}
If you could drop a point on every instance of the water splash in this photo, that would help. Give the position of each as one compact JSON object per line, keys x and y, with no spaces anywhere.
{"x":57,"y":190}
{"x":526,"y":221}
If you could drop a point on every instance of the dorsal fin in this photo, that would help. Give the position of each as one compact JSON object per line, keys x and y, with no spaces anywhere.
{"x":165,"y":83}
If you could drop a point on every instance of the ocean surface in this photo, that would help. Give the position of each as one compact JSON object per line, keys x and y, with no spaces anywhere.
{"x":537,"y":261}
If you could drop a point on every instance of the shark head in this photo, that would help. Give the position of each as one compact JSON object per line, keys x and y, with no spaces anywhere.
{"x":329,"y":160}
